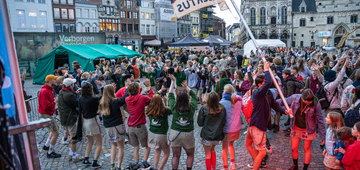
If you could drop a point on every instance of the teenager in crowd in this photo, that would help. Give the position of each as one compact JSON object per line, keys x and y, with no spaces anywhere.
{"x":137,"y":130}
{"x":157,"y":138}
{"x":88,"y":107}
{"x":182,"y":126}
{"x":211,"y":118}
{"x":221,"y":82}
{"x":109,"y":108}
{"x":232,"y":105}
{"x":352,"y":154}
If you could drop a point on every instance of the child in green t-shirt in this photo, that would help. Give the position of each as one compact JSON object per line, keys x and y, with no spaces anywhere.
{"x":149,"y":74}
{"x":180,"y":76}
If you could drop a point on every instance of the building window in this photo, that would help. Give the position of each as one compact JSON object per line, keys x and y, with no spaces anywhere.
{"x":123,"y":29}
{"x":152,"y":16}
{"x":108,"y":25}
{"x":30,"y":0}
{"x":93,"y":13}
{"x":284,"y":15}
{"x":135,"y":14}
{"x":294,"y":35}
{"x":262,"y":16}
{"x":302,"y":23}
{"x":122,"y":14}
{"x":87,"y":28}
{"x":130,"y":28}
{"x":71,"y":14}
{"x":353,"y":19}
{"x":301,"y":43}
{"x":32,"y":19}
{"x":21,"y":18}
{"x":302,"y":9}
{"x":57,"y":27}
{"x":147,"y":16}
{"x":72,"y":27}
{"x":152,"y":29}
{"x":253,"y":16}
{"x":142,"y":15}
{"x":181,"y":28}
{"x":65,"y":27}
{"x":94,"y":27}
{"x":86,"y":13}
{"x":41,"y":1}
{"x":63,"y":14}
{"x":330,"y":20}
{"x":142,"y":31}
{"x":311,"y":18}
{"x":102,"y":24}
{"x":302,"y":35}
{"x":57,"y":13}
{"x":79,"y":27}
{"x":71,"y":2}
{"x":78,"y":13}
{"x":56,"y":1}
{"x":43,"y":19}
{"x":129,"y":14}
{"x":63,"y":1}
{"x":108,"y":10}
{"x":136,"y":28}
{"x":128,"y":4}
{"x":115,"y":25}
{"x":147,"y":29}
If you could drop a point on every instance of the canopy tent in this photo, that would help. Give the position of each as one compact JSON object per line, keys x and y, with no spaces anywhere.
{"x":154,"y":43}
{"x":262,"y":43}
{"x":216,"y":40}
{"x":84,"y":54}
{"x":189,"y":40}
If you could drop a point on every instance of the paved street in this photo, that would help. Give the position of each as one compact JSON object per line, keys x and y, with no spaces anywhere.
{"x":280,"y":159}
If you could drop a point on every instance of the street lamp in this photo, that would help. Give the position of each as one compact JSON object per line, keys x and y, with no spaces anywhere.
{"x":313,"y":32}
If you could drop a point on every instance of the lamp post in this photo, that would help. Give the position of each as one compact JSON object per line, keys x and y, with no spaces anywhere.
{"x":312,"y":33}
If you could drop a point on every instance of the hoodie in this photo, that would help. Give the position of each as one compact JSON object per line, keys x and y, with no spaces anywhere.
{"x":46,"y":100}
{"x":136,"y":105}
{"x":183,"y":121}
{"x":351,"y":159}
{"x":212,"y":124}
{"x":233,"y":114}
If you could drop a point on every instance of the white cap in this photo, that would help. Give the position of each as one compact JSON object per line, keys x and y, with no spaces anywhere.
{"x":68,"y":81}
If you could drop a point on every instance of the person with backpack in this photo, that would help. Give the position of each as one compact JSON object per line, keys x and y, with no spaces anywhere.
{"x":232,"y":62}
{"x":307,"y":115}
{"x":211,"y":118}
{"x":291,"y":84}
{"x":315,"y":80}
{"x":352,"y":113}
{"x":331,"y":84}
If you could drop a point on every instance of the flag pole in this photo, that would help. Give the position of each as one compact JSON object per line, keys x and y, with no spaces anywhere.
{"x":261,"y":54}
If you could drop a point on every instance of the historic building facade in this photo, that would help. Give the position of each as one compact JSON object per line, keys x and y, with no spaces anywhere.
{"x":109,"y":20}
{"x":321,"y":22}
{"x":87,"y":19}
{"x":267,"y":19}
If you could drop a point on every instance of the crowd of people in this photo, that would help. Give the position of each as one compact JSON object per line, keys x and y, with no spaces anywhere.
{"x":321,"y":88}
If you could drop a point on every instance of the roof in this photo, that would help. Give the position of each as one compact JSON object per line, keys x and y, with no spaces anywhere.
{"x":189,"y":40}
{"x":217,"y":41}
{"x":310,"y":5}
{"x":86,"y":2}
{"x":96,"y":51}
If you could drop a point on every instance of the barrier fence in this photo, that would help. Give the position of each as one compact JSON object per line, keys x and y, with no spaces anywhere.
{"x":33,"y":114}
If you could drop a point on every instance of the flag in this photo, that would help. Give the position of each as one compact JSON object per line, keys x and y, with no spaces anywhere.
{"x":267,"y":14}
{"x":184,"y":7}
{"x":256,"y":14}
{"x":289,"y":12}
{"x":223,"y":6}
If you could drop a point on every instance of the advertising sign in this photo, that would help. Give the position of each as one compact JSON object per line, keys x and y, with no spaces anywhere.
{"x":210,"y":29}
{"x":167,"y":14}
{"x":324,"y":33}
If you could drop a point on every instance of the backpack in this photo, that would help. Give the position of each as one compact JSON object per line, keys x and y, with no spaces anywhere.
{"x":233,"y":62}
{"x":298,"y":86}
{"x":321,"y":95}
{"x":352,"y":116}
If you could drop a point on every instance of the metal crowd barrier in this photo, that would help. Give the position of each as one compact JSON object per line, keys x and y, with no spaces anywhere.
{"x":33,"y":114}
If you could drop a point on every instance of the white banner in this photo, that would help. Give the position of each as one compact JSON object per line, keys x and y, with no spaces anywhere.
{"x":167,"y":14}
{"x":184,"y":7}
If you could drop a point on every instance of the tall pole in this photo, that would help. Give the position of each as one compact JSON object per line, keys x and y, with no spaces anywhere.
{"x":261,"y":54}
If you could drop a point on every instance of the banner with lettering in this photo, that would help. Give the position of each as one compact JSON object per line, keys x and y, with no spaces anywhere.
{"x":184,"y":7}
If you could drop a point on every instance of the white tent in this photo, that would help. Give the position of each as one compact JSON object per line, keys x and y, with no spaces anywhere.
{"x":262,"y":43}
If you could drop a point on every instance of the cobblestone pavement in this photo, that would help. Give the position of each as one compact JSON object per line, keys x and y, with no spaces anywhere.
{"x":278,"y":160}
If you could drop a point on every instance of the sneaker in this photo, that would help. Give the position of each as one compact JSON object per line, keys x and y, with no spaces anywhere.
{"x":294,"y":167}
{"x":96,"y":165}
{"x":46,"y":148}
{"x":86,"y":162}
{"x":77,"y":159}
{"x":232,"y":166}
{"x":53,"y":155}
{"x":146,"y":164}
{"x":63,"y":142}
